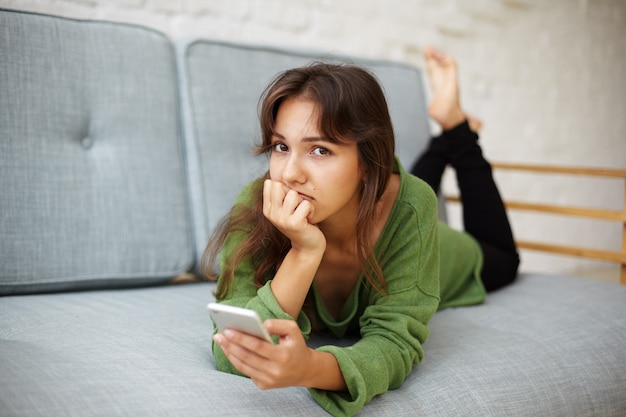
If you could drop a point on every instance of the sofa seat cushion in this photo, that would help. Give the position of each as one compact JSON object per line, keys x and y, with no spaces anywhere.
{"x":543,"y":346}
{"x":136,"y":352}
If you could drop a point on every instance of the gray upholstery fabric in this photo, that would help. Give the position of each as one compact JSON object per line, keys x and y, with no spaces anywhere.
{"x":140,"y":352}
{"x":91,"y":178}
{"x":550,"y":346}
{"x":544,"y":346}
{"x":221,"y":123}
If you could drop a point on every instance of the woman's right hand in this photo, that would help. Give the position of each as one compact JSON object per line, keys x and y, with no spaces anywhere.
{"x":289,"y":363}
{"x":290,"y":213}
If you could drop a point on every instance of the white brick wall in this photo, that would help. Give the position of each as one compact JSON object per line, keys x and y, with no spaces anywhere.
{"x":548,"y":77}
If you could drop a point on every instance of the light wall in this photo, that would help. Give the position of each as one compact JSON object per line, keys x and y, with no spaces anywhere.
{"x":548,"y":78}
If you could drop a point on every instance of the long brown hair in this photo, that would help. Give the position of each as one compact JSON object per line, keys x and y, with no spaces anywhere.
{"x":352,"y":109}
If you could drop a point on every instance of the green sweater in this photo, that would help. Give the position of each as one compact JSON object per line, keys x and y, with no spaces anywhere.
{"x":392,"y":327}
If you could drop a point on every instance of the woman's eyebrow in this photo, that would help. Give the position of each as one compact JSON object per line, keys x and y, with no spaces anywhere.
{"x":305,"y":139}
{"x":316,"y":139}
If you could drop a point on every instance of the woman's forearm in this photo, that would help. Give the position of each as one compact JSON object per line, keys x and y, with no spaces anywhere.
{"x":293,"y":279}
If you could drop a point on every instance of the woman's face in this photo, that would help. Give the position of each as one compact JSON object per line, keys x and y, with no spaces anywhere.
{"x":324,"y":173}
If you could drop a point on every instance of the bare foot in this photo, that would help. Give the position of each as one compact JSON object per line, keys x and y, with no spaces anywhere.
{"x":445,"y":107}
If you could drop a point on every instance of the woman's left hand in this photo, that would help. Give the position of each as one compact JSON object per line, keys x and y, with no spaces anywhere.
{"x":268,"y":365}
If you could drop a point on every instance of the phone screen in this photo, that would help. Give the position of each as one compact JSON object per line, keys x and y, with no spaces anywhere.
{"x":237,"y":318}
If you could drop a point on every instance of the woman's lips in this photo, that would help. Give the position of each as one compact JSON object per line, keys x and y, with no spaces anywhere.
{"x":305,"y":197}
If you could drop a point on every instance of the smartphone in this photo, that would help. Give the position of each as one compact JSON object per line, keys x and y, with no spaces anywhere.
{"x":238,"y":318}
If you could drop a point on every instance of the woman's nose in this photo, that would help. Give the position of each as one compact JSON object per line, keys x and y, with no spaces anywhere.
{"x":292,"y":170}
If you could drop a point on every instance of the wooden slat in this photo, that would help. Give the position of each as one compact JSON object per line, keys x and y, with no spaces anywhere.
{"x":555,"y":169}
{"x":601,"y":255}
{"x":611,"y":215}
{"x":570,"y":211}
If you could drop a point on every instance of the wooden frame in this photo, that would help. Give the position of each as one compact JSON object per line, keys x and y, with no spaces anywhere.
{"x":608,"y":215}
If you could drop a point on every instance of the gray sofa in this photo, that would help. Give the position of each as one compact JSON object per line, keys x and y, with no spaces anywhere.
{"x":120,"y":150}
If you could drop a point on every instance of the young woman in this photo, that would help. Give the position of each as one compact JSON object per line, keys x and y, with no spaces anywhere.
{"x":338,"y":238}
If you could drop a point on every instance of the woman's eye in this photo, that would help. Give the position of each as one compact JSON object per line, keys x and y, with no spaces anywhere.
{"x":279,"y":147}
{"x":319,"y":151}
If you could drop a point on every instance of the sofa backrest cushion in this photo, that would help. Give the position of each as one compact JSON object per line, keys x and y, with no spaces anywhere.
{"x":92,"y":185}
{"x":221,"y":86}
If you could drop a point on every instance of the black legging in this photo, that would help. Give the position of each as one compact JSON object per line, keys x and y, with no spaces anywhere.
{"x":484,"y":214}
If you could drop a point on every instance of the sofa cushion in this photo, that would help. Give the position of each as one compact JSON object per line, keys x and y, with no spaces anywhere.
{"x":221,"y":124}
{"x":545,"y":346}
{"x":91,"y":172}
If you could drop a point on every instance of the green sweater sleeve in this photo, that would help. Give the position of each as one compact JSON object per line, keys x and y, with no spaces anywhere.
{"x":393,"y":326}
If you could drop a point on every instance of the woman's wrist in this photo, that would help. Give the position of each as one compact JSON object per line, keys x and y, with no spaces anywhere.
{"x":307,"y":255}
{"x":324,"y":372}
